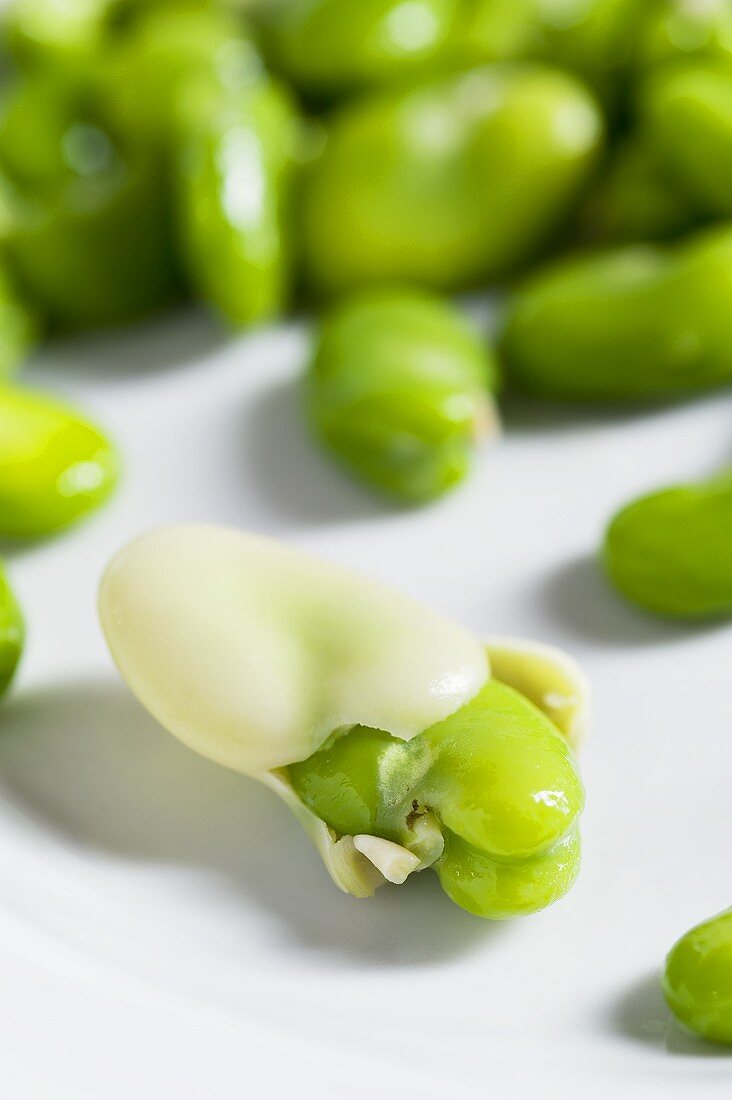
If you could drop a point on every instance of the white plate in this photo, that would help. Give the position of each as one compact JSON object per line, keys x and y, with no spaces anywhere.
{"x":151,"y":948}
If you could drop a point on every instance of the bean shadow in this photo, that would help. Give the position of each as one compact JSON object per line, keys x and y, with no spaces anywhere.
{"x":86,"y":764}
{"x":579,"y":599}
{"x":163,"y":342}
{"x":524,"y":416}
{"x":295,"y":478}
{"x":641,"y":1015}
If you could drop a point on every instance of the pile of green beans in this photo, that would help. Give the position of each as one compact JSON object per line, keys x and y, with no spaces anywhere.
{"x":368,"y":159}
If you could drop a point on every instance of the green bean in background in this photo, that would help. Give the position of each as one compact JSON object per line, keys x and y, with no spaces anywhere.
{"x":327,"y":48}
{"x":636,"y":323}
{"x":671,"y":552}
{"x":697,"y":980}
{"x":235,"y":164}
{"x":451,"y":184}
{"x":54,"y":466}
{"x":43,"y":33}
{"x":399,"y":389}
{"x":12,"y":633}
{"x":687,"y":121}
{"x":19,"y":327}
{"x":150,"y":61}
{"x":84,"y":227}
{"x":676,"y":30}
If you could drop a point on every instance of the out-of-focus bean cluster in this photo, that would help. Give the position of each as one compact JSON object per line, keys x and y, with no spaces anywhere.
{"x":366,"y":159}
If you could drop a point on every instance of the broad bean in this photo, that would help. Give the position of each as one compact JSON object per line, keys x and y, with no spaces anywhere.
{"x":234,"y":170}
{"x":399,"y":388}
{"x":18,"y":326}
{"x":677,"y":30}
{"x":686,"y":117}
{"x":697,"y":981}
{"x":671,"y":552}
{"x":634,"y":323}
{"x":328,"y":48}
{"x":449,"y":184}
{"x":54,"y":466}
{"x":378,"y":722}
{"x":85,"y":232}
{"x":12,"y":633}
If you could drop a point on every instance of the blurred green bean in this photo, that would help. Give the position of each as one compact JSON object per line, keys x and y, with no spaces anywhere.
{"x":235,"y":162}
{"x":54,"y":465}
{"x":84,"y":226}
{"x":454,"y":183}
{"x":12,"y":633}
{"x":671,"y":552}
{"x":399,"y":388}
{"x":697,"y":980}
{"x":687,"y":123}
{"x":635,"y":323}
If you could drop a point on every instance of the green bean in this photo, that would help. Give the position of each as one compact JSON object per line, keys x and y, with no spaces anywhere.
{"x":54,"y":466}
{"x":52,"y":32}
{"x":328,"y":47}
{"x":671,"y":552}
{"x":687,"y":120}
{"x":636,"y":323}
{"x":450,"y":184}
{"x":235,"y":163}
{"x":697,"y":981}
{"x":677,"y":30}
{"x":165,"y":47}
{"x":85,"y":230}
{"x":12,"y":633}
{"x":18,"y":325}
{"x":399,"y":389}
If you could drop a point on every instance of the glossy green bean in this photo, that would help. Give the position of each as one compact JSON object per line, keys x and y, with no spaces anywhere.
{"x":687,"y":123}
{"x":497,"y":777}
{"x":450,"y":184}
{"x":12,"y":633}
{"x":399,"y":388}
{"x":635,"y":323}
{"x":85,"y":231}
{"x":671,"y":552}
{"x":54,"y":466}
{"x":235,"y":161}
{"x":697,"y":980}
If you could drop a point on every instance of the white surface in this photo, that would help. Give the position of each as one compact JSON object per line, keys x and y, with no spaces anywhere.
{"x":150,"y":947}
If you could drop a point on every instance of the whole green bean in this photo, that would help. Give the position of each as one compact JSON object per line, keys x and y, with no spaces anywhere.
{"x":635,"y":323}
{"x":677,"y":30}
{"x":687,"y":121}
{"x":399,"y":388}
{"x":328,"y":48}
{"x":450,"y":184}
{"x":235,"y":161}
{"x":671,"y":552}
{"x":12,"y":633}
{"x":54,"y":466}
{"x":18,"y":325}
{"x":697,"y":981}
{"x":85,"y":229}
